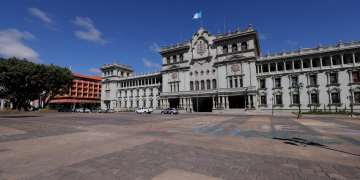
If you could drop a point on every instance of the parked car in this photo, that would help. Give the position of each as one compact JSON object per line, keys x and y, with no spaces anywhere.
{"x":171,"y":111}
{"x":143,"y":111}
{"x":110,"y":111}
{"x":97,"y":110}
{"x":86,"y":110}
{"x":78,"y":110}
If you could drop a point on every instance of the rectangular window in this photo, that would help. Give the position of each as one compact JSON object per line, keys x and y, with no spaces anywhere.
{"x":263,"y":100}
{"x":262,"y":83}
{"x":294,"y":80}
{"x":357,"y":97}
{"x":314,"y":99}
{"x":333,"y":78}
{"x":312,"y":80}
{"x":231,"y":83}
{"x":137,"y":103}
{"x":278,"y":99}
{"x":295,"y":99}
{"x":241,"y":83}
{"x":335,"y":98}
{"x":236,"y":82}
{"x":107,"y":94}
{"x":355,"y":76}
{"x":277,"y":82}
{"x":151,"y":102}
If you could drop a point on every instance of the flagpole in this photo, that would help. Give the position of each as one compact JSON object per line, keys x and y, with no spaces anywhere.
{"x":201,"y":17}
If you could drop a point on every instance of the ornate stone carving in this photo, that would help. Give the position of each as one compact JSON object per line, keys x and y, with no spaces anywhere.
{"x":201,"y":48}
{"x":235,"y":68}
{"x":174,"y":75}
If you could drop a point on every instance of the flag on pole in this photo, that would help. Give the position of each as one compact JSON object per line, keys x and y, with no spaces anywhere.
{"x":197,"y":15}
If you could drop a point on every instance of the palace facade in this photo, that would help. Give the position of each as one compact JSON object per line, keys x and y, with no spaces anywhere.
{"x":227,"y":73}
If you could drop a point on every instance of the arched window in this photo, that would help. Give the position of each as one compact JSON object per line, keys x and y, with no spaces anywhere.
{"x":214,"y":83}
{"x":272,"y":68}
{"x":243,"y":46}
{"x":208,"y":84}
{"x":202,"y":85}
{"x":168,"y":60}
{"x":305,"y":65}
{"x":234,"y":47}
{"x":225,"y":49}
{"x":181,"y":57}
{"x":191,"y":86}
{"x":288,"y":67}
{"x":296,"y":66}
{"x":174,"y":58}
{"x":197,"y":85}
{"x":280,"y":67}
{"x":265,"y":68}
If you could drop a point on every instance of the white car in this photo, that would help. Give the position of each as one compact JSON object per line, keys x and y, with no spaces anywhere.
{"x":82,"y":110}
{"x":144,"y":111}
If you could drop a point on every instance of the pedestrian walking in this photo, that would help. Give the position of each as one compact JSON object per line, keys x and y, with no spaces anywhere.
{"x":167,"y":111}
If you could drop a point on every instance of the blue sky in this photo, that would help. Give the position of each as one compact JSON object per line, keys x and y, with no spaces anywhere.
{"x":86,"y":34}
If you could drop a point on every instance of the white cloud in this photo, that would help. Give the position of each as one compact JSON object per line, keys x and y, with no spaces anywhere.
{"x":150,"y":64}
{"x":94,"y":70}
{"x":41,"y":15}
{"x":155,"y":48}
{"x":262,"y":36}
{"x":11,"y":45}
{"x":291,"y":42}
{"x":92,"y":34}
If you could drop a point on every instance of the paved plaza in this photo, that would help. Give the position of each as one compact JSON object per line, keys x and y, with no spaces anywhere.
{"x":185,"y":146}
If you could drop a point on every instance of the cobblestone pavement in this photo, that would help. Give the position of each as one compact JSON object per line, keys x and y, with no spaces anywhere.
{"x":129,"y":146}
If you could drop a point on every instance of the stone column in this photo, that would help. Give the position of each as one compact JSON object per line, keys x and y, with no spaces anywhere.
{"x":245,"y":100}
{"x":168,"y":102}
{"x":284,"y":66}
{"x":258,"y":69}
{"x":302,"y":65}
{"x":233,"y":81}
{"x":353,"y":57}
{"x":223,"y":101}
{"x":249,"y":101}
{"x":228,"y":80}
{"x":342,"y":60}
{"x":261,"y":69}
{"x":321,"y":66}
{"x":311,"y":64}
{"x":276,"y":67}
{"x":180,"y":103}
{"x":269,"y":68}
{"x":213,"y":102}
{"x":227,"y":102}
{"x":238,"y":79}
{"x":331,"y":62}
{"x":293,"y":65}
{"x":2,"y":104}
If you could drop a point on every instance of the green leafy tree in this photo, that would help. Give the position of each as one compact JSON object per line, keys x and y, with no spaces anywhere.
{"x":22,"y":81}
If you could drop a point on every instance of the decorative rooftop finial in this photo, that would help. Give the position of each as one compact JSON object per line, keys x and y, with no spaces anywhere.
{"x":268,"y":52}
{"x":186,"y":41}
{"x":300,"y":47}
{"x":238,"y":29}
{"x":319,"y":45}
{"x":283,"y":50}
{"x":229,"y":30}
{"x":292,"y":50}
{"x":340,"y":41}
{"x":177,"y":43}
{"x":218,"y":32}
{"x":164,"y":45}
{"x":275,"y":52}
{"x":104,"y":64}
{"x":351,"y":40}
{"x":250,"y":25}
{"x":115,"y":62}
{"x":329,"y":44}
{"x":130,"y":65}
{"x":201,"y":27}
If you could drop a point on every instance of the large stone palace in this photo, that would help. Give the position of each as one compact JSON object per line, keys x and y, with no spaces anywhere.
{"x":227,"y":72}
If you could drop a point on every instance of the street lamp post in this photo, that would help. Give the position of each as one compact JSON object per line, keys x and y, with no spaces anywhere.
{"x":197,"y":94}
{"x":298,"y":86}
{"x":351,"y":104}
{"x":272,"y":103}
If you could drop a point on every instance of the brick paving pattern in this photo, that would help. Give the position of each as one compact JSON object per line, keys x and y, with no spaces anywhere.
{"x":149,"y":160}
